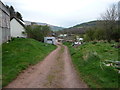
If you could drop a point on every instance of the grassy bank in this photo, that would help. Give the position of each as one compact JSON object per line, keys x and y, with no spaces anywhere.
{"x":0,"y":66}
{"x":89,"y":60}
{"x":21,"y":53}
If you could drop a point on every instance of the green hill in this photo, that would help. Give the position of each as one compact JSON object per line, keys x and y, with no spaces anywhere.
{"x":53,"y":27}
{"x":21,"y":53}
{"x":56,"y":28}
{"x":80,"y":28}
{"x":87,"y":24}
{"x":91,"y":23}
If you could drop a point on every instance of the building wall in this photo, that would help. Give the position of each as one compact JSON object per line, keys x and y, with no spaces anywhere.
{"x":119,"y":10}
{"x":4,"y":23}
{"x":16,"y":29}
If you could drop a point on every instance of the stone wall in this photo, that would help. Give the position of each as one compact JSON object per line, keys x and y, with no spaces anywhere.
{"x":4,"y":23}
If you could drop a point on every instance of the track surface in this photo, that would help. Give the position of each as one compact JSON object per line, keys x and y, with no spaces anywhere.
{"x":55,"y":71}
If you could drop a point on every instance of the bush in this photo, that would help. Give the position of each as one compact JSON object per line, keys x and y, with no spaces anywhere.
{"x":37,"y":32}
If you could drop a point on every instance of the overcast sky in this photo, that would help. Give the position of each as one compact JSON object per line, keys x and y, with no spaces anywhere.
{"x":65,"y":13}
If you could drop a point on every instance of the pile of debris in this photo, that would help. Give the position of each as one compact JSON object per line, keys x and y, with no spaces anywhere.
{"x":115,"y":64}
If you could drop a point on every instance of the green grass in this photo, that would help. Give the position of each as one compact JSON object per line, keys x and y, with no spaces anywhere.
{"x":88,"y":60}
{"x":19,"y":54}
{"x":0,"y":66}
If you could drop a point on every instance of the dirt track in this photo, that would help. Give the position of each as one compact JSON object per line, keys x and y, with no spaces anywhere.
{"x":55,"y":71}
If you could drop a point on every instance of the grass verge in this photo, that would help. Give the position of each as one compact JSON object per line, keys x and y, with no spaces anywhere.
{"x":0,"y":66}
{"x":19,"y":54}
{"x":88,"y":60}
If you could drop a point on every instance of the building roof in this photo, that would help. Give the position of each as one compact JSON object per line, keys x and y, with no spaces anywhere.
{"x":49,"y":37}
{"x":4,"y":9}
{"x":21,"y":22}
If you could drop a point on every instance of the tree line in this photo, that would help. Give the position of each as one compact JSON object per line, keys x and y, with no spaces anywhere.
{"x":107,"y":27}
{"x":38,"y":32}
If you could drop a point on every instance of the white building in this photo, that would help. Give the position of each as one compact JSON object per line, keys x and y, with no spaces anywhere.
{"x":4,"y":23}
{"x":80,"y":39}
{"x":28,"y":23}
{"x":17,"y":28}
{"x":63,"y":35}
{"x":50,"y":40}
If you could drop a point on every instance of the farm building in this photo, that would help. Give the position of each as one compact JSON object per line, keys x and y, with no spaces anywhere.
{"x":50,"y":40}
{"x":17,"y":28}
{"x":4,"y":24}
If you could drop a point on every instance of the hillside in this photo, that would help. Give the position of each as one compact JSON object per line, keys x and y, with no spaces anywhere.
{"x":21,"y":53}
{"x":91,"y":24}
{"x":80,"y":28}
{"x":86,"y":24}
{"x":56,"y":28}
{"x":53,"y":28}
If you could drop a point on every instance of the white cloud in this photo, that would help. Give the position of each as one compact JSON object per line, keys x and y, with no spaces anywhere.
{"x":60,"y":12}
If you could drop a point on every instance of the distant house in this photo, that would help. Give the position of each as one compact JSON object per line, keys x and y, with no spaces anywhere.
{"x":63,"y":35}
{"x":50,"y":40}
{"x":28,"y":23}
{"x":4,"y":24}
{"x":17,"y":28}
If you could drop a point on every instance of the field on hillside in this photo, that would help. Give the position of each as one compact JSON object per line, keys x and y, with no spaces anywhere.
{"x":89,"y":60}
{"x":21,"y":53}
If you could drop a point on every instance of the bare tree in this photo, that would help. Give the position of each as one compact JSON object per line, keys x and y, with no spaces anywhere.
{"x":111,"y":13}
{"x":109,"y":19}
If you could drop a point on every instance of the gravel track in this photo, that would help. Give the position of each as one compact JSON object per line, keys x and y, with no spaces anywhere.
{"x":55,"y":71}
